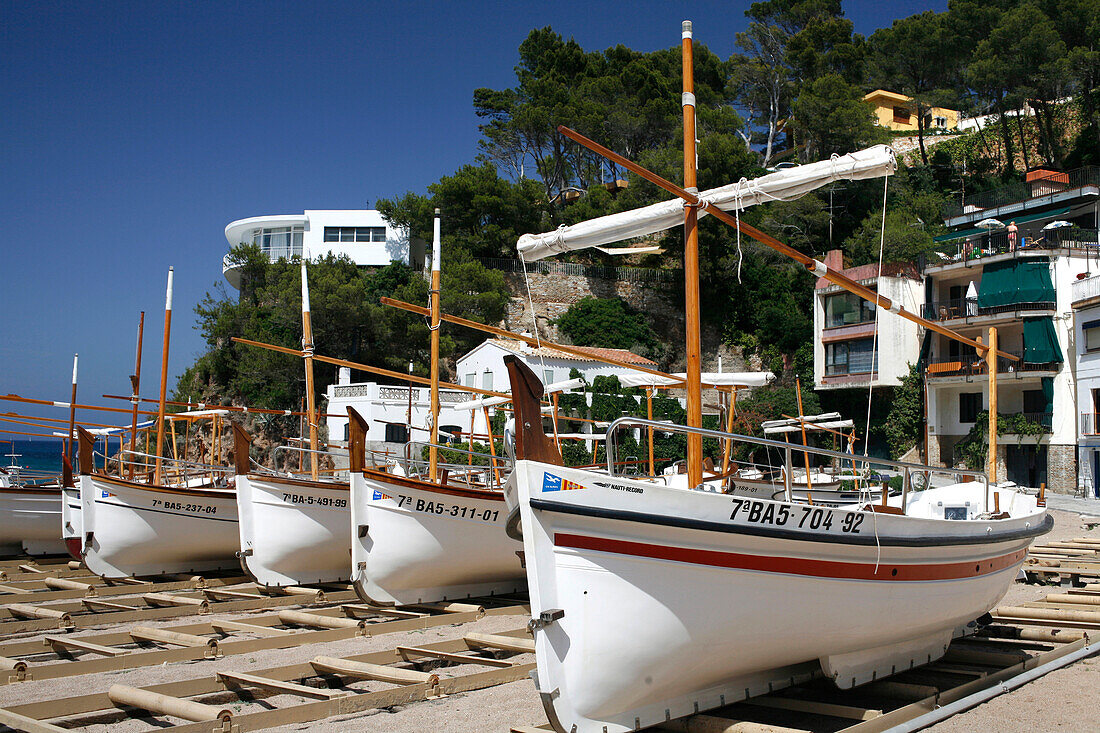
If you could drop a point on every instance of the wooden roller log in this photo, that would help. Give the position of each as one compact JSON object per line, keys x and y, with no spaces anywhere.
{"x":366,"y":671}
{"x":167,"y":599}
{"x":164,"y":636}
{"x":1085,"y":599}
{"x":160,"y":704}
{"x":28,"y":611}
{"x":75,"y":565}
{"x":453,"y":608}
{"x":1053,"y":614}
{"x":66,"y":584}
{"x":301,"y":618}
{"x":294,"y":590}
{"x":496,"y":641}
{"x":17,"y":665}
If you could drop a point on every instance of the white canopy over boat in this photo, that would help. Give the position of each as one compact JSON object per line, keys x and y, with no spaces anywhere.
{"x":825,"y":421}
{"x":708,"y":379}
{"x":874,"y":162}
{"x":563,"y":386}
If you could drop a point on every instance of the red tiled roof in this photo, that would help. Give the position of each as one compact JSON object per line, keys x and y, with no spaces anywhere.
{"x":867,"y":272}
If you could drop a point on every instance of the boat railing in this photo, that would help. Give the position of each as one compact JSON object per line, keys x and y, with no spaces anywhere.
{"x":493,"y":469}
{"x":176,"y":471}
{"x":788,"y":449}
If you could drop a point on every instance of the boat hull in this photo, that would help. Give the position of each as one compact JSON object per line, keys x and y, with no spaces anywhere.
{"x":72,"y":522}
{"x":294,"y":532}
{"x":661,"y":602}
{"x":132,"y":529}
{"x":30,"y":520}
{"x":415,"y":542}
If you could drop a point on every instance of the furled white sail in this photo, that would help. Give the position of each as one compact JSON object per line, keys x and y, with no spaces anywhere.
{"x":874,"y":162}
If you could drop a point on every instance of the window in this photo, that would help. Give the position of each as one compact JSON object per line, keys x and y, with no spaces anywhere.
{"x":396,"y":433}
{"x":355,"y":234}
{"x":940,"y":122}
{"x":970,"y":404}
{"x":547,"y":376}
{"x":901,"y":115}
{"x":279,"y":242}
{"x":487,"y":380}
{"x":1034,"y":401}
{"x":846,"y":309}
{"x":347,"y":432}
{"x":850,"y":357}
{"x":1091,"y":330}
{"x":471,"y":379}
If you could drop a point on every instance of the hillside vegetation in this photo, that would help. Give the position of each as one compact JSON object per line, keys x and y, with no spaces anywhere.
{"x":792,"y":93}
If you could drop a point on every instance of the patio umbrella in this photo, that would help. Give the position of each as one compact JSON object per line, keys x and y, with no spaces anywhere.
{"x":990,"y":224}
{"x":1057,"y":224}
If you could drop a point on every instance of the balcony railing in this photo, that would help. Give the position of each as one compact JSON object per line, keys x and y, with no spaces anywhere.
{"x":1044,"y":420}
{"x":1086,"y":289}
{"x":1017,"y":192}
{"x":970,"y":365}
{"x":978,"y":247}
{"x":943,"y":310}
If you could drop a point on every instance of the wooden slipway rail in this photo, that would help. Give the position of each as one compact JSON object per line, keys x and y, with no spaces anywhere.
{"x":1072,"y":563}
{"x":55,"y":587}
{"x":67,"y":655}
{"x":143,"y":605}
{"x":296,"y":693}
{"x":1018,"y":644}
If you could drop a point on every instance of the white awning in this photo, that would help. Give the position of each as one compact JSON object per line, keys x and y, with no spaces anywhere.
{"x":874,"y":162}
{"x":709,"y":379}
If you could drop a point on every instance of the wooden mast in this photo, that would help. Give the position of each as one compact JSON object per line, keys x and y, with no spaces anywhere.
{"x":691,"y":270}
{"x":135,"y":394}
{"x":307,"y":353}
{"x":433,"y":452}
{"x":802,"y":424}
{"x":991,"y":361}
{"x":70,"y":445}
{"x":158,"y":468}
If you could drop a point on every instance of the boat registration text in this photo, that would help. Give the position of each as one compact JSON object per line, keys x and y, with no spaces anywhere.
{"x":802,"y":517}
{"x":184,"y":507}
{"x":315,"y":500}
{"x":452,"y":510}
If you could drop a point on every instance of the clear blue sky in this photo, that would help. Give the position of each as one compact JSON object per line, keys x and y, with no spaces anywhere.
{"x":131,"y":133}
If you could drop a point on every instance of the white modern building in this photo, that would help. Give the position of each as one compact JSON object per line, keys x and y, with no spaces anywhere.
{"x":847,"y":353}
{"x":388,"y":411}
{"x":1086,"y":314}
{"x":360,"y":234}
{"x":484,"y":366}
{"x":1023,"y":283}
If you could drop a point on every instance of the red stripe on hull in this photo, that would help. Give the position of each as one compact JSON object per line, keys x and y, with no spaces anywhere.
{"x":75,"y":547}
{"x":794,"y":565}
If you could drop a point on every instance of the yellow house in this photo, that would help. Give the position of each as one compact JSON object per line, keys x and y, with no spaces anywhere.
{"x":897,"y":112}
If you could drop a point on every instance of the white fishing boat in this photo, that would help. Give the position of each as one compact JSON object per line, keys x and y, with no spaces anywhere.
{"x":651,"y":602}
{"x":293,"y":531}
{"x":418,"y":541}
{"x":131,"y":529}
{"x":30,"y":515}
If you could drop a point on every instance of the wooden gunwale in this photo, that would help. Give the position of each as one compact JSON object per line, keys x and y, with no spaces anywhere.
{"x":43,"y":490}
{"x":413,"y":483}
{"x":309,"y":483}
{"x":209,"y":493}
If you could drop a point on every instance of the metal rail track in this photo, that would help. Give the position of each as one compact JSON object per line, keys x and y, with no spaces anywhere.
{"x":329,"y":686}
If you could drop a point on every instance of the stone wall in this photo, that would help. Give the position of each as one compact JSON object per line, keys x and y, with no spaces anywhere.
{"x":553,"y":294}
{"x":1062,"y":468}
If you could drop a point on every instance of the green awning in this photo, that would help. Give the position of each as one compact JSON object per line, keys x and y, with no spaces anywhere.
{"x":1041,"y":341}
{"x":1015,"y":282}
{"x":950,"y":236}
{"x":1047,"y":386}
